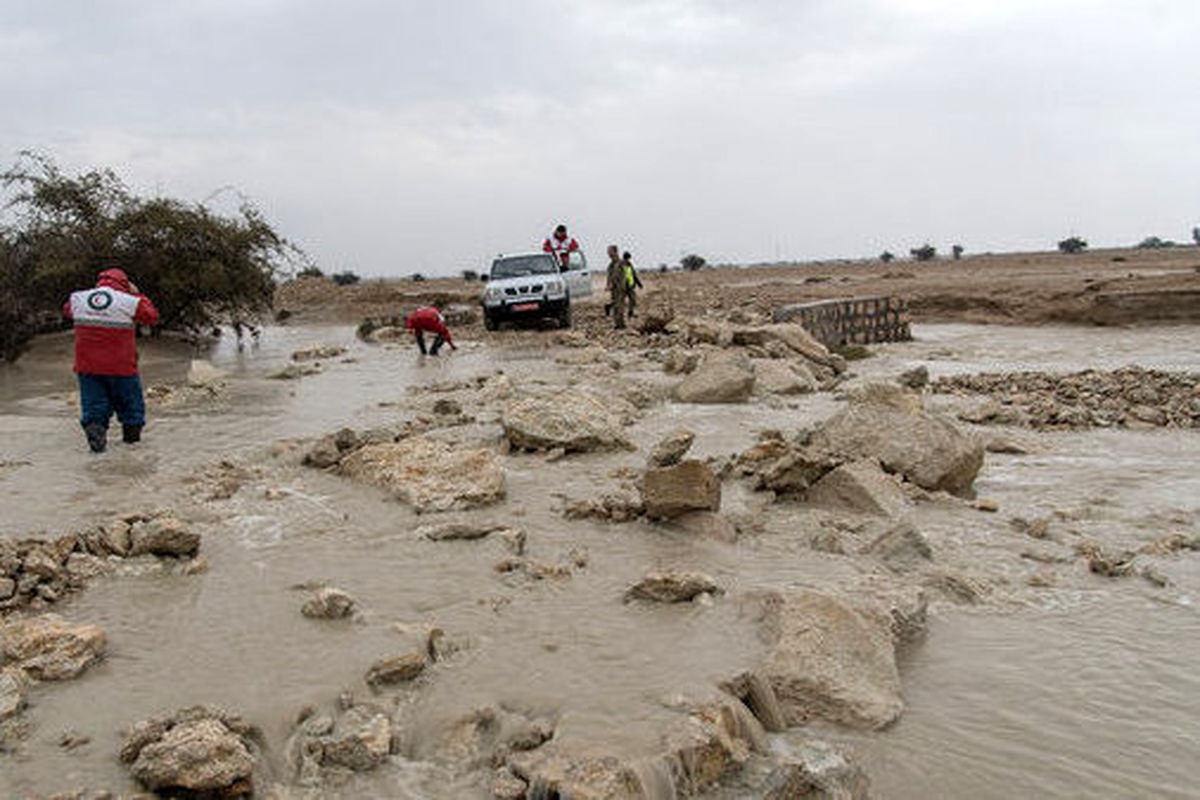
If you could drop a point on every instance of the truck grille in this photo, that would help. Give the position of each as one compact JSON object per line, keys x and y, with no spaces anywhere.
{"x":535,"y":289}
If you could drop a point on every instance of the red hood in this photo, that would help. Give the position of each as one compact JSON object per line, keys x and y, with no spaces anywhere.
{"x":114,"y":279}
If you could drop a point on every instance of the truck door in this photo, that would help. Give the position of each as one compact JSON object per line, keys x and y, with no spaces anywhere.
{"x":579,"y":279}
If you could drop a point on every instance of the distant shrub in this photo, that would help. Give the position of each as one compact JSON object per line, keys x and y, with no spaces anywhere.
{"x":1154,"y":243}
{"x":416,"y":277}
{"x":311,"y":271}
{"x":1072,"y":245}
{"x":886,"y":257}
{"x":925,"y":252}
{"x":957,"y":251}
{"x":470,"y":275}
{"x":344,"y":278}
{"x":692,"y":262}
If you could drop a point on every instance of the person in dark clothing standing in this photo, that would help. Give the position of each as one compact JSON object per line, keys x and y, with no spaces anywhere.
{"x":616,"y":286}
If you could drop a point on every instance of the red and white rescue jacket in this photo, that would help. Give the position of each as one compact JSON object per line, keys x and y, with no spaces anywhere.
{"x":105,"y":325}
{"x":560,"y":247}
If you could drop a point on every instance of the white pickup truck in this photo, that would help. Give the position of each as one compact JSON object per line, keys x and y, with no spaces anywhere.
{"x":534,"y":286}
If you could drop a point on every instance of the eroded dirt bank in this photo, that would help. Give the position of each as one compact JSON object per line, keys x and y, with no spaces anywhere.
{"x":592,"y":564}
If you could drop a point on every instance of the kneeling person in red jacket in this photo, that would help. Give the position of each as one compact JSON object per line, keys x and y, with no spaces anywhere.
{"x":106,"y":361}
{"x":431,"y":320}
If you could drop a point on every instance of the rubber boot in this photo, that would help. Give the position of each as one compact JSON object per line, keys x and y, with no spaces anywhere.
{"x":131,"y":434}
{"x":97,"y":436}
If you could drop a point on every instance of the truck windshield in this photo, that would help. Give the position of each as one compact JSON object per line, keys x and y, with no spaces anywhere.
{"x":520,"y":266}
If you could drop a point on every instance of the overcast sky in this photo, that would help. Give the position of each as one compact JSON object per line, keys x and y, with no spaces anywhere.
{"x":393,"y":136}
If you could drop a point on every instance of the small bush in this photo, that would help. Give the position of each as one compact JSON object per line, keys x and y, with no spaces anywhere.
{"x":311,"y":271}
{"x":925,"y":252}
{"x":416,"y":277}
{"x":344,"y":278}
{"x":886,"y":257}
{"x":692,"y":262}
{"x":957,"y":251}
{"x":1154,"y":243}
{"x":1072,"y":245}
{"x":470,"y":275}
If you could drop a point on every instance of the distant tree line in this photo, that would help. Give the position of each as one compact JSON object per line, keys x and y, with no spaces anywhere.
{"x":57,"y":231}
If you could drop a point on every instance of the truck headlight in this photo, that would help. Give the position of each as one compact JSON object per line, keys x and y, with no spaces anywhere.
{"x":493,"y":293}
{"x":554,"y":287}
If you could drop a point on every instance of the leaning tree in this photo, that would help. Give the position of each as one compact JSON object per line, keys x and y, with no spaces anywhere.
{"x":58,"y":230}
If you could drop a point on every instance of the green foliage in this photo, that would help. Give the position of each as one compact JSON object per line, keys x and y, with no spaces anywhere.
{"x":887,"y":257}
{"x":470,"y":275}
{"x":692,"y":262}
{"x":1072,"y":245}
{"x":346,"y":278}
{"x":311,"y":271}
{"x":58,"y":231}
{"x":925,"y":252}
{"x":416,"y":277}
{"x":1155,"y":243}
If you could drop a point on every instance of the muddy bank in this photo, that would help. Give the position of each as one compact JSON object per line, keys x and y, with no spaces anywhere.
{"x":555,"y":632}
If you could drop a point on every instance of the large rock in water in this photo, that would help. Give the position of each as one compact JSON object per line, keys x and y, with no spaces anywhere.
{"x":575,"y":421}
{"x":830,"y":661}
{"x":927,"y":450}
{"x":198,"y":750}
{"x":163,"y":536}
{"x":49,"y":648}
{"x":721,"y":377}
{"x":859,"y":486}
{"x":428,"y":474}
{"x":688,"y":486}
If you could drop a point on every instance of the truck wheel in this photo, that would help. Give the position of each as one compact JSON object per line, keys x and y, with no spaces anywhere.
{"x":489,"y":322}
{"x":564,"y":318}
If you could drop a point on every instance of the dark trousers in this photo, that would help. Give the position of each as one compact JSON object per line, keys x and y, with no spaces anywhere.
{"x":101,"y":395}
{"x":433,"y":349}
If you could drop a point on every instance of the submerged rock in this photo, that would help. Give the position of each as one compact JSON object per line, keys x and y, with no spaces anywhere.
{"x":49,"y":648}
{"x":901,"y":547}
{"x":575,"y":421}
{"x":688,"y":486}
{"x":428,"y":474}
{"x":329,"y":602}
{"x":816,"y":771}
{"x":672,"y":586}
{"x":396,"y":669}
{"x":198,"y":750}
{"x":318,"y":351}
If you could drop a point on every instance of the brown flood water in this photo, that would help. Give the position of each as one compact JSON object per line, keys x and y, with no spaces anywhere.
{"x":1084,"y":690}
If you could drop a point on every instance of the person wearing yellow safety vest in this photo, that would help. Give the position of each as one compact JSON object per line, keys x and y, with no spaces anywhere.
{"x":632,"y":282}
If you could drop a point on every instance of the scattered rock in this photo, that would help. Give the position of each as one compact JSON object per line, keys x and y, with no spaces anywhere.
{"x":12,"y":693}
{"x":929,"y":451}
{"x":163,"y":536}
{"x":198,"y":750}
{"x":330,"y":449}
{"x":829,"y":661}
{"x":329,"y":602}
{"x":901,"y":547}
{"x":959,"y":588}
{"x":428,"y":474}
{"x":915,"y":378}
{"x":670,"y":491}
{"x":672,"y":586}
{"x":294,"y":371}
{"x":720,"y":377}
{"x":671,"y":448}
{"x":986,"y":504}
{"x":318,"y":352}
{"x":859,"y":486}
{"x":447,"y":531}
{"x":49,"y":648}
{"x":573,"y":420}
{"x":447,"y":407}
{"x":816,"y":771}
{"x":1102,"y":562}
{"x":552,"y":772}
{"x":396,"y":669}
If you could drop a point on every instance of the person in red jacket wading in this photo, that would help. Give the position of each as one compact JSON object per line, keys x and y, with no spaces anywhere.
{"x":106,"y":361}
{"x":431,"y":320}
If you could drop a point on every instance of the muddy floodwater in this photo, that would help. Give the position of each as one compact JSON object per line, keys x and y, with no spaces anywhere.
{"x":1085,"y":687}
